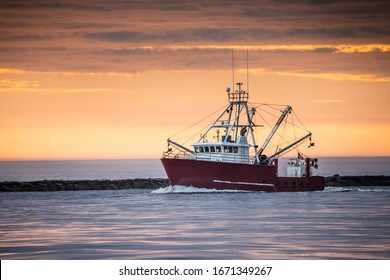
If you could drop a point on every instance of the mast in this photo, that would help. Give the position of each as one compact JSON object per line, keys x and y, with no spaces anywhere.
{"x":233,"y":67}
{"x":247,"y":69}
{"x":250,"y":125}
{"x":238,"y":112}
{"x":239,"y":100}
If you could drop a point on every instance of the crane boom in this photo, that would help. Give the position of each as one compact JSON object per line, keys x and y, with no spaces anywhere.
{"x":272,"y":133}
{"x":288,"y":147}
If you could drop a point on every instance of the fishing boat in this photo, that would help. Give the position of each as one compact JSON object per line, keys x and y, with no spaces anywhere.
{"x":226,"y":155}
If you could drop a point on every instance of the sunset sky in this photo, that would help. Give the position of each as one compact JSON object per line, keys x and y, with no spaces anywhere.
{"x":115,"y":79}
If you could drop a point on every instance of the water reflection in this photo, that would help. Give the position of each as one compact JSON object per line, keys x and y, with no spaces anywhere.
{"x":138,"y":224}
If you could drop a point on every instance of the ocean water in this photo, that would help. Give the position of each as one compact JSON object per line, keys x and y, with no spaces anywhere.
{"x":187,"y":223}
{"x":80,"y":170}
{"x":339,"y":223}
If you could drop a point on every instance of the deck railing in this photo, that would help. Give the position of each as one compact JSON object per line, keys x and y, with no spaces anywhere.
{"x":224,"y":157}
{"x":238,"y":96}
{"x":178,"y":154}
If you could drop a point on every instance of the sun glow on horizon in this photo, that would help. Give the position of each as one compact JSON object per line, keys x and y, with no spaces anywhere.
{"x":132,"y":118}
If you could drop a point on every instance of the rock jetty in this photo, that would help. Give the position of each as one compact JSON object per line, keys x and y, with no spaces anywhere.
{"x":155,"y":183}
{"x":78,"y":185}
{"x":356,"y":181}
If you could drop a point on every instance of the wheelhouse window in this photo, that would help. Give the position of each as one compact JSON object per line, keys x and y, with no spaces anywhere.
{"x":206,"y":149}
{"x":212,"y":149}
{"x":230,"y":149}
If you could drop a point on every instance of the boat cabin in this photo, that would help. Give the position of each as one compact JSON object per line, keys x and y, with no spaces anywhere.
{"x":226,"y":151}
{"x":296,"y":168}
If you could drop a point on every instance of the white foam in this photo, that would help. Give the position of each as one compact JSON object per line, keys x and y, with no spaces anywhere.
{"x":357,"y":189}
{"x":376,"y":189}
{"x":337,"y":189}
{"x":187,"y":189}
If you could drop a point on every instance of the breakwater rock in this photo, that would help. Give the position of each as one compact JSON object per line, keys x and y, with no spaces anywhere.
{"x":78,"y":185}
{"x":356,"y":181}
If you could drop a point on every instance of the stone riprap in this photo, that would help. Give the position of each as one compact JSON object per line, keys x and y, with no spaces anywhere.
{"x":356,"y":181}
{"x":78,"y":185}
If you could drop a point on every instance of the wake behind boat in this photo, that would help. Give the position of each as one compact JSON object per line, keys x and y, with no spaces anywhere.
{"x":226,"y":155}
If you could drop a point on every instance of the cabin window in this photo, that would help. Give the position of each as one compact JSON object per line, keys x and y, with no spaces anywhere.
{"x":206,"y":149}
{"x":196,"y":149}
{"x":230,"y":149}
{"x":218,"y":149}
{"x":200,"y":149}
{"x":212,"y":149}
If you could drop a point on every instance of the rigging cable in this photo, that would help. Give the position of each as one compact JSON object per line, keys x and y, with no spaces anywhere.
{"x":197,"y":122}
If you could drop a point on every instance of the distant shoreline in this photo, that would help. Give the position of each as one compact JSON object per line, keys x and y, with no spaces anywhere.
{"x":155,"y":183}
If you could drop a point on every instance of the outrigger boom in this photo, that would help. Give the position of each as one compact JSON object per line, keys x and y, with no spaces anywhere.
{"x":288,"y":147}
{"x":180,"y":146}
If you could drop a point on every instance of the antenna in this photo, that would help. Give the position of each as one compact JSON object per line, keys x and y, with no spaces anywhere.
{"x":233,"y":66}
{"x":247,"y":72}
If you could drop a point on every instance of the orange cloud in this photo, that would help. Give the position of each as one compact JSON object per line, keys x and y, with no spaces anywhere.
{"x":363,"y":48}
{"x":328,"y":76}
{"x":293,"y":47}
{"x":66,"y":73}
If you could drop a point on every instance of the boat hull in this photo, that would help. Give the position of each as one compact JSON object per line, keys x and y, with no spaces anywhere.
{"x":236,"y":176}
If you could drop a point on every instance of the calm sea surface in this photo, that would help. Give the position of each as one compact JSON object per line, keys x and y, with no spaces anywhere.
{"x":187,"y":223}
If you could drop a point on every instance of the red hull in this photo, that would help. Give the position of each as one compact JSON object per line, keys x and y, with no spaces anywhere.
{"x":236,"y":176}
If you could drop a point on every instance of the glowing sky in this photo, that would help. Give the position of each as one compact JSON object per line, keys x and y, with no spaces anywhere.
{"x":114,"y":79}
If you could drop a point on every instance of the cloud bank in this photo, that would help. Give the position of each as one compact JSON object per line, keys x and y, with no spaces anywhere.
{"x":312,"y":37}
